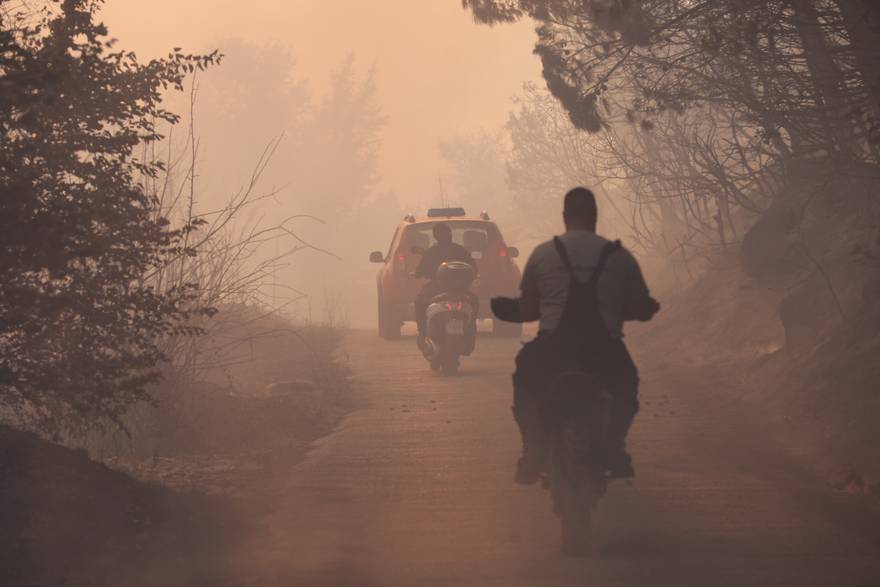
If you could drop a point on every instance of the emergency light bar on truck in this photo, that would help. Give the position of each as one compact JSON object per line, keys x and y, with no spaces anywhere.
{"x":445,"y":212}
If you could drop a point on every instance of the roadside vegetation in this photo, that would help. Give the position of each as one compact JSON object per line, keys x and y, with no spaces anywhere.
{"x":141,"y":324}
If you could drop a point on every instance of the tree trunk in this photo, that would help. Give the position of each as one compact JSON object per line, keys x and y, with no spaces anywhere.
{"x":826,"y":79}
{"x":862,"y":22}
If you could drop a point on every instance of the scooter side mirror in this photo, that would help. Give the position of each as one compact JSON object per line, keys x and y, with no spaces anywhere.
{"x":513,"y":252}
{"x":377,"y":257}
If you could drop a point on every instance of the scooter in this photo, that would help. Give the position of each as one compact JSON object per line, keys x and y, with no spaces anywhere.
{"x":451,"y":326}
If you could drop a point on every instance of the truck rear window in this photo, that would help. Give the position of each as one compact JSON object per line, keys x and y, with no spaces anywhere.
{"x":474,"y":236}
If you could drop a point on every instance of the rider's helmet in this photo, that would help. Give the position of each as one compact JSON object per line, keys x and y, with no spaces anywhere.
{"x":455,"y":276}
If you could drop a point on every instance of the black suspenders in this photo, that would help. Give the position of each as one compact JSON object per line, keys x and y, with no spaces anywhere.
{"x":609,"y":248}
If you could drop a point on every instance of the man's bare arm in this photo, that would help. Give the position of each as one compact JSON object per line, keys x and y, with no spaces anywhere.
{"x":639,"y":304}
{"x":524,"y":308}
{"x":528,"y":301}
{"x":529,"y":308}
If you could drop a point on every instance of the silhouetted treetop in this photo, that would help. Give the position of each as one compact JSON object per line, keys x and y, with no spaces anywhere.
{"x":797,"y":68}
{"x":79,"y":234}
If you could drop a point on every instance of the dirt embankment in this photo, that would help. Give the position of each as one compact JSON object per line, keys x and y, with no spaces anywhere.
{"x":68,"y":520}
{"x":165,"y":506}
{"x":798,"y":332}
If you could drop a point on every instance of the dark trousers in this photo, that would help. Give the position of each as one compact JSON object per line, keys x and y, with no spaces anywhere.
{"x":536,"y":366}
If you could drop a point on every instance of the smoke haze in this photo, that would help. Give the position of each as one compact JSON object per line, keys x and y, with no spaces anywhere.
{"x":203,"y":382}
{"x":428,"y":71}
{"x":437,"y":72}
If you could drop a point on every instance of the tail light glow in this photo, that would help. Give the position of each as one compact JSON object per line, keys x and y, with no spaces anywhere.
{"x":399,"y":263}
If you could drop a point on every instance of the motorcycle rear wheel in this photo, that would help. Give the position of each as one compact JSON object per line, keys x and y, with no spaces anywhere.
{"x":576,"y":488}
{"x":449,"y":366}
{"x":577,"y":524}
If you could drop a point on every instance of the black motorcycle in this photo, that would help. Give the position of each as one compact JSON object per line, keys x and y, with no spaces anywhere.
{"x":578,"y":411}
{"x":451,"y":328}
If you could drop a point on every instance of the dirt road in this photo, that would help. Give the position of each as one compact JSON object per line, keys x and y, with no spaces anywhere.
{"x":415,"y":489}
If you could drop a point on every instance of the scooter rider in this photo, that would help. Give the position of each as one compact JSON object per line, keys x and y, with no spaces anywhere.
{"x":582,"y":287}
{"x":444,"y":250}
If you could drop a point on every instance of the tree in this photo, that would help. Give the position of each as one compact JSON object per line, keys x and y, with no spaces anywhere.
{"x":341,"y":144}
{"x":800,"y":71}
{"x":255,"y":99}
{"x":80,"y":321}
{"x":479,"y":165}
{"x":734,"y":100}
{"x":548,"y":156}
{"x":334,"y":178}
{"x":324,"y":149}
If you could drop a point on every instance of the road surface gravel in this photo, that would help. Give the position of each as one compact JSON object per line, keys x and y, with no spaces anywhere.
{"x":415,"y":488}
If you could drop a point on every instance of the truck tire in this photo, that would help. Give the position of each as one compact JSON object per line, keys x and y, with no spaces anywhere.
{"x":389,"y":325}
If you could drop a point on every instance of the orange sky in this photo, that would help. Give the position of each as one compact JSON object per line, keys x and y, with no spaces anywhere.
{"x":438,"y":73}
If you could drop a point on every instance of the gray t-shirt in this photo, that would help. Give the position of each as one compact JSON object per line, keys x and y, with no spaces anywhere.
{"x":620,"y":286}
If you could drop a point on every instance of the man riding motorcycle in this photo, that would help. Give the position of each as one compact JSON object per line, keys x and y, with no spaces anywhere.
{"x":443,"y":251}
{"x":582,"y":288}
